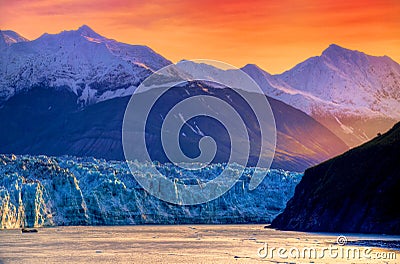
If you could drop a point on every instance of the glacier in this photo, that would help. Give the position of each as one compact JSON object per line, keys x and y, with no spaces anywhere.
{"x":38,"y":191}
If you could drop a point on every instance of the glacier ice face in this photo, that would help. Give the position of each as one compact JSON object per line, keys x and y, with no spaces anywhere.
{"x":48,"y":191}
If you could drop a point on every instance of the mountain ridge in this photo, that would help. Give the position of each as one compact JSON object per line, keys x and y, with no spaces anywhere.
{"x":353,"y":94}
{"x":92,"y":66}
{"x":9,"y":37}
{"x":291,"y":86}
{"x":55,"y":125}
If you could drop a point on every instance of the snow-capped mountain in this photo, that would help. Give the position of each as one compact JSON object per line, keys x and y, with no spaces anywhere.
{"x":349,"y":80}
{"x":8,"y":37}
{"x":340,"y":81}
{"x":354,"y":94}
{"x":94,"y":67}
{"x":269,"y":84}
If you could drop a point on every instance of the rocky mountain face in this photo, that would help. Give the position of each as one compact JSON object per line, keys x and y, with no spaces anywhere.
{"x":354,"y":192}
{"x":45,"y":191}
{"x":47,"y":121}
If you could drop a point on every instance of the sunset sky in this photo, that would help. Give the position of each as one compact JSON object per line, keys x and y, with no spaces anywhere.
{"x":276,"y":35}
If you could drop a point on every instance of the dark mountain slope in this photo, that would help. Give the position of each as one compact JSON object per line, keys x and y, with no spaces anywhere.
{"x":354,"y":192}
{"x":48,"y":121}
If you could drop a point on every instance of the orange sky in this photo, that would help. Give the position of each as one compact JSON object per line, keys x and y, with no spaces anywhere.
{"x":276,"y":35}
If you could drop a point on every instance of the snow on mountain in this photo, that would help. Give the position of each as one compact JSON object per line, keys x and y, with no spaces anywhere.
{"x":44,"y":191}
{"x":348,"y":80}
{"x":353,"y":94}
{"x":339,"y":81}
{"x":92,"y":66}
{"x":9,"y":37}
{"x":280,"y":90}
{"x":269,"y":85}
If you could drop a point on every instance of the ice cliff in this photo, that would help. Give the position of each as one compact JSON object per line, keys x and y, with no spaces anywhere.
{"x":49,"y":191}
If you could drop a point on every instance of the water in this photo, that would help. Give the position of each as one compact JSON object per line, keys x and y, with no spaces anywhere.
{"x":172,"y":244}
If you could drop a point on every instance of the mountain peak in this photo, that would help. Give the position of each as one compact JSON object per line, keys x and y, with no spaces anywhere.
{"x":92,"y":66}
{"x":85,"y":30}
{"x":10,"y":37}
{"x":84,"y":27}
{"x":335,"y":49}
{"x":253,"y":68}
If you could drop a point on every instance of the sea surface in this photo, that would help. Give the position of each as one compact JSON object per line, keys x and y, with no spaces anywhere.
{"x":192,"y":244}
